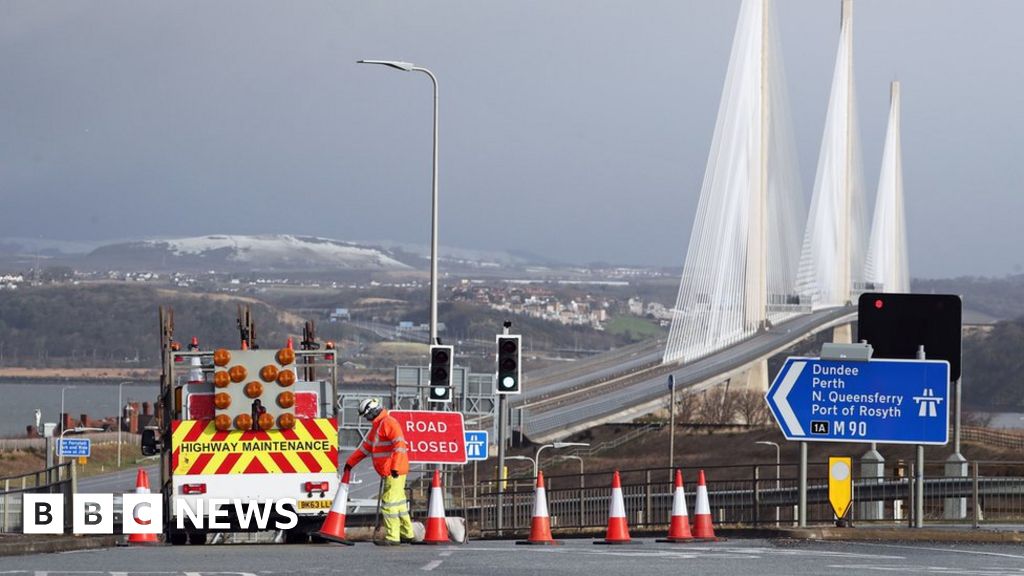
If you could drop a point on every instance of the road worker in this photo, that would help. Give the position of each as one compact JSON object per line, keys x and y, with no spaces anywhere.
{"x":390,"y":452}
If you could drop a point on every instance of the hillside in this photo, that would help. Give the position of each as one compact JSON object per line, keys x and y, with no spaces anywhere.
{"x":227,"y":253}
{"x":113,"y":324}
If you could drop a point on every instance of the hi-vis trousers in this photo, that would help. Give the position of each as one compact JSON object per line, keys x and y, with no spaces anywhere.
{"x":395,"y":509}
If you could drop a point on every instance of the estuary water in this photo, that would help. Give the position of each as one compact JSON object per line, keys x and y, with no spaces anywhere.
{"x":98,"y":399}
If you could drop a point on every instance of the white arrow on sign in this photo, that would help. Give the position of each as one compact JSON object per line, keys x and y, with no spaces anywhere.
{"x":782,"y":401}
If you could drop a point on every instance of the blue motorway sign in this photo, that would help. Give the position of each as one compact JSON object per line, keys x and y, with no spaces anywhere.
{"x":888,"y":401}
{"x":476,"y":444}
{"x":75,"y":447}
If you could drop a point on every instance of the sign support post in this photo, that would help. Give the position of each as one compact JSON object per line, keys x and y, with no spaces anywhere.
{"x":919,"y":477}
{"x":802,"y":516}
{"x":672,"y":424}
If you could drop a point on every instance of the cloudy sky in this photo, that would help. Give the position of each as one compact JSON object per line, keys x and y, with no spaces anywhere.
{"x":577,"y":130}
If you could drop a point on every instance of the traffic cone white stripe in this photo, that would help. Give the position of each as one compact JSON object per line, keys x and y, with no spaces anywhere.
{"x":616,"y":508}
{"x":540,"y":508}
{"x":702,"y":501}
{"x":436,"y":503}
{"x":679,"y":502}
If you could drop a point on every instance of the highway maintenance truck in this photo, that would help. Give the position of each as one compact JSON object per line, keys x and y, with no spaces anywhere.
{"x":247,"y":437}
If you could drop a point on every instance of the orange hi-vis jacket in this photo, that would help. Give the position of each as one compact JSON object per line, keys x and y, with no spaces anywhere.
{"x":386,"y":444}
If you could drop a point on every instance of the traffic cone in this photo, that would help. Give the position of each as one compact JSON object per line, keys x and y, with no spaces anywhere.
{"x":142,"y":487}
{"x":618,"y":530}
{"x":540,"y":526}
{"x":333,"y":528}
{"x":702,"y":528}
{"x":679,"y":528}
{"x":437,"y":526}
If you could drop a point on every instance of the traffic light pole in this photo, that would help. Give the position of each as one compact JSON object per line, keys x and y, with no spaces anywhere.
{"x":501,"y":448}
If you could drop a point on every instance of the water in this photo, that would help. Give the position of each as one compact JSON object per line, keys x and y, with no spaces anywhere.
{"x":18,"y":401}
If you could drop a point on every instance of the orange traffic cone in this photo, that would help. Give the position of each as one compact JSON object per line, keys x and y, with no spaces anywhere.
{"x":679,"y":528}
{"x":142,"y":487}
{"x":702,"y":527}
{"x":333,"y":528}
{"x":540,"y":526}
{"x":618,"y":530}
{"x":437,"y":526}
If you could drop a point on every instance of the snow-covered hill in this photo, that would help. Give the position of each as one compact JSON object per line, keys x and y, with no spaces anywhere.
{"x":239,"y":252}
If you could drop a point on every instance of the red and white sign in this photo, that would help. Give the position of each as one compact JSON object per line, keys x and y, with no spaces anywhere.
{"x":433,"y":437}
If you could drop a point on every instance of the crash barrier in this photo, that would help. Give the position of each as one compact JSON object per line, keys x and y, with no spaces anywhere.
{"x":59,"y":479}
{"x":990,"y":492}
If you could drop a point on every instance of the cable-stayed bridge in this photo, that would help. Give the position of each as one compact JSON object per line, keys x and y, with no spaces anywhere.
{"x":761,"y":271}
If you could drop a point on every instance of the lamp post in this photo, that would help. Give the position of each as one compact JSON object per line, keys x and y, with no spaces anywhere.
{"x":770,"y":443}
{"x":62,"y":418}
{"x":409,"y":67}
{"x":556,"y":446}
{"x":120,"y":421}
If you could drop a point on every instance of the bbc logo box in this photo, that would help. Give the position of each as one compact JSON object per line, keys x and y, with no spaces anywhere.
{"x":93,"y":514}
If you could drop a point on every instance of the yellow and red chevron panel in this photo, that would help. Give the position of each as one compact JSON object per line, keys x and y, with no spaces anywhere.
{"x":199,"y":448}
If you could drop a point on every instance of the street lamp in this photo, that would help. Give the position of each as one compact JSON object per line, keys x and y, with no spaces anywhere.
{"x":575,"y":457}
{"x":409,"y":67}
{"x":525,"y":458}
{"x":770,"y":443}
{"x":62,"y":418}
{"x":120,"y":421}
{"x":556,"y":446}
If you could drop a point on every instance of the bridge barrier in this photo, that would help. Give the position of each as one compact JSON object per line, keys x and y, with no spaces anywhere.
{"x":748,"y":495}
{"x":59,"y":479}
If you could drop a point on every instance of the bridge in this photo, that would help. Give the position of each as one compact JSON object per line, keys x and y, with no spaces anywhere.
{"x":752,"y":285}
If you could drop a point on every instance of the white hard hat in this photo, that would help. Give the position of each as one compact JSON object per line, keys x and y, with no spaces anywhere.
{"x":369,"y":408}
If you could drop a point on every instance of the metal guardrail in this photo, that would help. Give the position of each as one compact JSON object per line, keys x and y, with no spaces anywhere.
{"x":59,"y":479}
{"x":745,"y":496}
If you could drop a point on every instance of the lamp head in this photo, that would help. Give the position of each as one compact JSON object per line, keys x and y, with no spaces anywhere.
{"x":406,"y":66}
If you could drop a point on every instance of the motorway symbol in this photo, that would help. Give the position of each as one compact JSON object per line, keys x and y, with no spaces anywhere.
{"x":889,"y":401}
{"x":75,"y":447}
{"x":476,"y":444}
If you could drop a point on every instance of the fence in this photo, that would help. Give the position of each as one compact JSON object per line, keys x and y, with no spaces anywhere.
{"x":58,"y":479}
{"x":743,"y":496}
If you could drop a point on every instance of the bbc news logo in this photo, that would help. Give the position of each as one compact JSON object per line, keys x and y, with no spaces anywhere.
{"x":143,"y":513}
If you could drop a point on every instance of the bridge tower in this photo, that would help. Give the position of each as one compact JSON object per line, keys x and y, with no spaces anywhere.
{"x":832,"y":259}
{"x":742,"y":256}
{"x":887,"y":268}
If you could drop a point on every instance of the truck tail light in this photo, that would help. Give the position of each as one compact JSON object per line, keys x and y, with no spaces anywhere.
{"x":320,"y":487}
{"x":193,"y":489}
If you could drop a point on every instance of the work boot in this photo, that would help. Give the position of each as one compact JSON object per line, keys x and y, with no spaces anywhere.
{"x":406,"y":540}
{"x":387,"y":542}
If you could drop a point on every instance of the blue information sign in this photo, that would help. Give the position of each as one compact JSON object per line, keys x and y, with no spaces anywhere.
{"x":888,"y":401}
{"x":75,"y":447}
{"x":476,"y":444}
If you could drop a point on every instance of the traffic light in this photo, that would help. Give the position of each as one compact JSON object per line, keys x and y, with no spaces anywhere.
{"x":896,"y":324}
{"x":440,"y":374}
{"x":508,"y":364}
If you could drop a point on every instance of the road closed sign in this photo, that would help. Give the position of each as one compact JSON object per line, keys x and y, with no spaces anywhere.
{"x":433,"y":437}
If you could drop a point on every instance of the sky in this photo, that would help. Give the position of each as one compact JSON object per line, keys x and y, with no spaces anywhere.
{"x":577,"y":130}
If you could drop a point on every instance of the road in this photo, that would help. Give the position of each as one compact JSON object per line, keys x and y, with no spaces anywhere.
{"x":576,"y":557}
{"x":579,"y":402}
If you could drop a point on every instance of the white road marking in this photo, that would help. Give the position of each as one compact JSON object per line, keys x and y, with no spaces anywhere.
{"x":913,"y":569}
{"x":446,"y":553}
{"x":431,"y":565}
{"x":951,"y":551}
